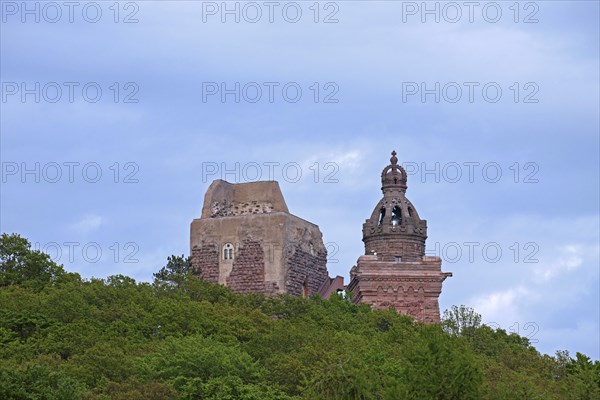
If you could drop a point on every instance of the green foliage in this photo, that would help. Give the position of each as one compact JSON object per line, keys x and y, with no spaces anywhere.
{"x":440,"y":367}
{"x":182,"y":338}
{"x":180,"y":359}
{"x":460,"y":321}
{"x":583,"y":374}
{"x":37,"y":379}
{"x":19,"y":265}
{"x":175,"y":273}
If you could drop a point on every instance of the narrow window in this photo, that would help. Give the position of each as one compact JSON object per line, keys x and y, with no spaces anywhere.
{"x":396,"y":216}
{"x":227,"y":251}
{"x":381,"y":215}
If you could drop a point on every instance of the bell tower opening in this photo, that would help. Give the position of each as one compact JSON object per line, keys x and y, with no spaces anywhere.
{"x":396,"y":216}
{"x":381,"y":215}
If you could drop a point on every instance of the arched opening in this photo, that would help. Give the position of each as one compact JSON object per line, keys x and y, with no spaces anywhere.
{"x":305,"y":289}
{"x":227,"y":251}
{"x":396,"y":216}
{"x":381,"y":215}
{"x":410,"y":212}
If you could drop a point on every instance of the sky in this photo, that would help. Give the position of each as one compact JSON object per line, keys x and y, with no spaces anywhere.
{"x":115,"y":117}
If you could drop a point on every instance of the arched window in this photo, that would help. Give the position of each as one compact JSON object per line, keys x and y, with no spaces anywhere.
{"x":305,"y":289}
{"x":227,"y":251}
{"x":381,"y":215}
{"x":410,"y":213}
{"x":396,"y":216}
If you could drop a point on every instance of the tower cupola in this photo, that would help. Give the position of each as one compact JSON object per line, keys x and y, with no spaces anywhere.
{"x":394,"y":231}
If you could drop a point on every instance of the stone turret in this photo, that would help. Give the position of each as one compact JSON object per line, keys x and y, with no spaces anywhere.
{"x":394,"y":272}
{"x":394,"y":228}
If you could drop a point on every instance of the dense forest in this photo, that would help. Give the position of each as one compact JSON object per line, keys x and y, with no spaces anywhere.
{"x":63,"y":337}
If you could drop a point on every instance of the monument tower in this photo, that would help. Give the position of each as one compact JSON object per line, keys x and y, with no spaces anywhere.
{"x":248,"y":240}
{"x":394,"y":272}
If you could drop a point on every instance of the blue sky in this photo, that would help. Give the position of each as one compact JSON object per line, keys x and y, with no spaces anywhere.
{"x":157,"y":155}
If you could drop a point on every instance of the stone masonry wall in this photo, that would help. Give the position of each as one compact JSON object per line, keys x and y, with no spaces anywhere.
{"x":227,"y":209}
{"x":248,"y":272}
{"x":417,"y":297}
{"x":305,"y":267}
{"x":388,"y":247}
{"x":205,"y":262}
{"x":410,"y":301}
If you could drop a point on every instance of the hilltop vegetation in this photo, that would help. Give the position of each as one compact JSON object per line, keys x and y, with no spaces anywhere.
{"x":62,"y":337}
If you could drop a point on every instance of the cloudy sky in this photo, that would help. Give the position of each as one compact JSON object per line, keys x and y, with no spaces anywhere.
{"x":115,"y":118}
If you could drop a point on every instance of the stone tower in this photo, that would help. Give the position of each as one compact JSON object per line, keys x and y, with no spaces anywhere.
{"x":247,"y":240}
{"x":394,"y":272}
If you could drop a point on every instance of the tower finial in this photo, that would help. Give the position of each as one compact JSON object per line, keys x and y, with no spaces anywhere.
{"x":394,"y":159}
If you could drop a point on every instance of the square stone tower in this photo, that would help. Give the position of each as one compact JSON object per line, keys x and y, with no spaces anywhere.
{"x":247,"y":240}
{"x":394,"y":271}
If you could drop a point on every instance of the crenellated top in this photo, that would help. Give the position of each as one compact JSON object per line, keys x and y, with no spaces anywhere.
{"x":224,"y":199}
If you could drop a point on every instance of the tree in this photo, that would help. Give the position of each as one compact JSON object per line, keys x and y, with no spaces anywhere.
{"x":440,"y":367}
{"x":186,"y":338}
{"x":175,"y":273}
{"x":187,"y":359}
{"x":587,"y":372}
{"x":19,"y":265}
{"x":460,"y":321}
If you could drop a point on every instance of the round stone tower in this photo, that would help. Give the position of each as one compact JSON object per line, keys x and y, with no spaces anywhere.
{"x":395,"y":272}
{"x":395,"y":232}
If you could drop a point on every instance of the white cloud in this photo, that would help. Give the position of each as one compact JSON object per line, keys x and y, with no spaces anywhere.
{"x":348,"y":159}
{"x":502,"y":307}
{"x":87,"y":224}
{"x":334,"y":163}
{"x":569,"y":259}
